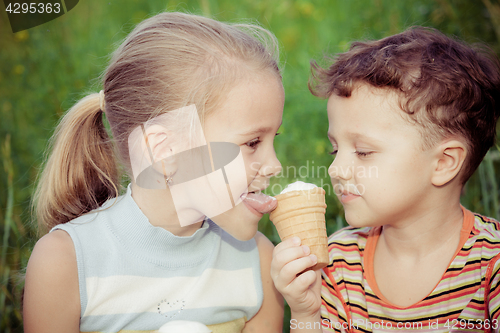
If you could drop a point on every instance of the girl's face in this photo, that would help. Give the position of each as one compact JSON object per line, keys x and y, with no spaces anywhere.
{"x":249,"y":117}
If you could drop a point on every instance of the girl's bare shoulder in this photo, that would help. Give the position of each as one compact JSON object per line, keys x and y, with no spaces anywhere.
{"x":51,"y":286}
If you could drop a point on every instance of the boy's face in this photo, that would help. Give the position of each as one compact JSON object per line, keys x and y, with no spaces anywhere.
{"x":379,"y":172}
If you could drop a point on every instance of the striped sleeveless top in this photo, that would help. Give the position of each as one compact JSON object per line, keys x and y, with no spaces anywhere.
{"x":134,"y":277}
{"x":351,"y":301}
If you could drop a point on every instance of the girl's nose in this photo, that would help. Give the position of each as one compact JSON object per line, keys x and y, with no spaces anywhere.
{"x":272,"y":167}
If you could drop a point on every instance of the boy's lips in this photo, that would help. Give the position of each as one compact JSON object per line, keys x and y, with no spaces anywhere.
{"x":349,"y":192}
{"x":347,"y":196}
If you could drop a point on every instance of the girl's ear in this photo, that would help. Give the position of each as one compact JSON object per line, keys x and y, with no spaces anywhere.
{"x":158,"y":147}
{"x":450,"y":157}
{"x":158,"y":143}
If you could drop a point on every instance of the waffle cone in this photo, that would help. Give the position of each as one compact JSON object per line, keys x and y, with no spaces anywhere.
{"x":302,"y":214}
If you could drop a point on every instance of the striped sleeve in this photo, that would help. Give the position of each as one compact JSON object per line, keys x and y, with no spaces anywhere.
{"x":494,"y":294}
{"x":340,"y":281}
{"x":330,"y":304}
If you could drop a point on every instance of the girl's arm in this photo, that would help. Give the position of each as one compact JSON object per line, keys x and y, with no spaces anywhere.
{"x":269,"y":319}
{"x":51,"y":294}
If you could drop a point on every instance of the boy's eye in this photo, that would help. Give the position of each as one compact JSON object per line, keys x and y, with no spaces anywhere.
{"x":363,"y":153}
{"x":277,"y":134}
{"x":333,"y":152}
{"x":253,"y":143}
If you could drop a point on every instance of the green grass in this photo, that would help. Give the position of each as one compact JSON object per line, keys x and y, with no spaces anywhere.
{"x":44,"y":70}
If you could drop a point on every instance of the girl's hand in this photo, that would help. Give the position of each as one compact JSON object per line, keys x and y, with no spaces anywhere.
{"x":300,"y":289}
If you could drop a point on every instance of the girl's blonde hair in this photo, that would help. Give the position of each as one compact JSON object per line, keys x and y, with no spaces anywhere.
{"x":168,"y":61}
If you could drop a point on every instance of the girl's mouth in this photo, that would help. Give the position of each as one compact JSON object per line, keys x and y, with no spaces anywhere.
{"x":258,"y":202}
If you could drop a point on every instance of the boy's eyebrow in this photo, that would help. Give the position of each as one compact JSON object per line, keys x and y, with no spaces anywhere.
{"x":259,"y":130}
{"x":355,"y":135}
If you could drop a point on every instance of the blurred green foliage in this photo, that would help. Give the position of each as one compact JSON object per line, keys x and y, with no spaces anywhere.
{"x":46,"y":69}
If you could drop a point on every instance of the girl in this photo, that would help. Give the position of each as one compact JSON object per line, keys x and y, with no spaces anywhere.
{"x":113,"y":263}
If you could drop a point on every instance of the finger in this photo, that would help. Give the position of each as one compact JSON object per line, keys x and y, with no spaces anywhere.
{"x":316,"y":287}
{"x":293,"y":268}
{"x":303,"y":282}
{"x":287,"y":255}
{"x":290,"y":242}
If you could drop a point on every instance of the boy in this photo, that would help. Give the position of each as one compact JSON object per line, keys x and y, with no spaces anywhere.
{"x":411,"y":117}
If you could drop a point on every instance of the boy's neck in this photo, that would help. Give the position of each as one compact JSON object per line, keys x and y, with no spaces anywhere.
{"x":434,"y":228}
{"x":411,"y":257}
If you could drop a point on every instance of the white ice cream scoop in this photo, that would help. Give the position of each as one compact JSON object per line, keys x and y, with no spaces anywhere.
{"x":184,"y":326}
{"x":298,"y":186}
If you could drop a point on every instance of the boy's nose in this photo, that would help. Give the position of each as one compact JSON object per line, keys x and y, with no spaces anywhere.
{"x":340,"y":171}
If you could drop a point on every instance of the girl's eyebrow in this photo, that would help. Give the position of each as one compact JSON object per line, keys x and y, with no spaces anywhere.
{"x":260,"y":130}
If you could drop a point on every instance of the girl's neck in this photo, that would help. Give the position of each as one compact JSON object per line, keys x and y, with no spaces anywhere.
{"x":159,"y":208}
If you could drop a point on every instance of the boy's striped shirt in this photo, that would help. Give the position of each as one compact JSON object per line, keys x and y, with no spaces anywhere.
{"x":351,"y":301}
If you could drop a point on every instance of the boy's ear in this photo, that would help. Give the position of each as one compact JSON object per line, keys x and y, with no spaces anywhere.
{"x":450,"y":156}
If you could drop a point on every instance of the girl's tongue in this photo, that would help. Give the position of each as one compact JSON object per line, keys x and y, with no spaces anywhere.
{"x":261,"y":202}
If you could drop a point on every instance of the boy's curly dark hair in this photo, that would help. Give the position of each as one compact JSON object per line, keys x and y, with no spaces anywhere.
{"x":446,"y":86}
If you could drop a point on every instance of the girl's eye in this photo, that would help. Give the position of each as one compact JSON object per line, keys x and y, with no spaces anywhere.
{"x":277,"y":134}
{"x":253,"y":143}
{"x":333,"y":152}
{"x":363,"y":153}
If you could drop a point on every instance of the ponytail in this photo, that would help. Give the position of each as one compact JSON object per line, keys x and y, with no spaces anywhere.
{"x":81,"y":172}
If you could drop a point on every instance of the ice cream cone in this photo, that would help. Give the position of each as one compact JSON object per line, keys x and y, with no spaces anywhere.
{"x":302,"y":213}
